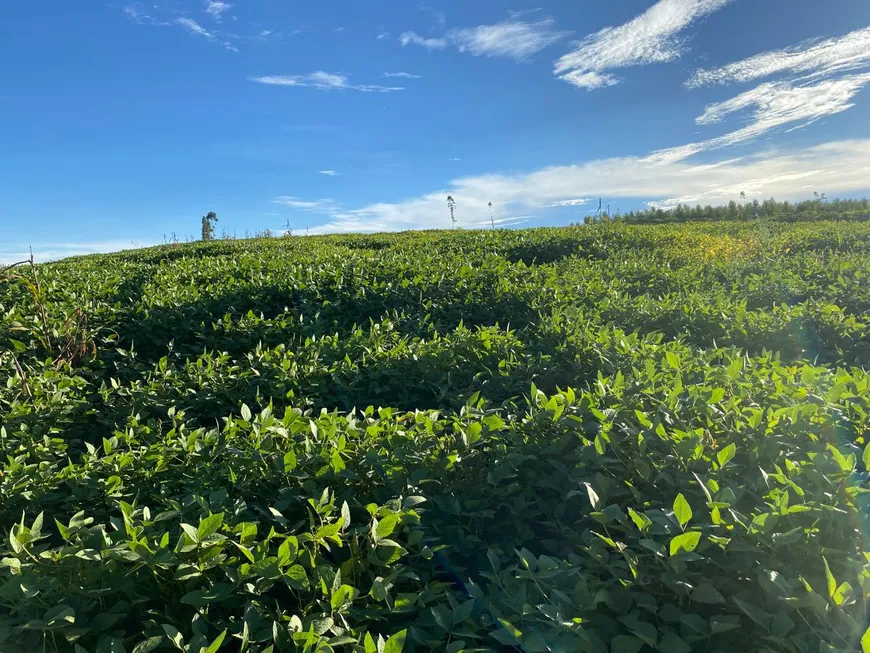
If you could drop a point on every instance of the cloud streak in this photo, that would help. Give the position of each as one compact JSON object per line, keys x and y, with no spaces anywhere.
{"x":402,"y":75}
{"x":323,"y":81}
{"x":652,"y":37}
{"x":44,"y":252}
{"x":193,"y":27}
{"x":217,"y":9}
{"x":412,"y":38}
{"x":327,"y":206}
{"x":513,"y":39}
{"x":773,"y":105}
{"x":814,"y":58}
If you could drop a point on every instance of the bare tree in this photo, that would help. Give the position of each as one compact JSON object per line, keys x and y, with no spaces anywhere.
{"x":451,"y":206}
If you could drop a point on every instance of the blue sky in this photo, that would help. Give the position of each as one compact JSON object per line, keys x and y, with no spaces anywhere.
{"x":122,"y":122}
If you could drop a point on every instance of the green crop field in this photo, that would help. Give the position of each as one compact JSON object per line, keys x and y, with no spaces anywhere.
{"x":612,"y":439}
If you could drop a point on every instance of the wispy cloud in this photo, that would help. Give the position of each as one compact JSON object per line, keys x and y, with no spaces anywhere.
{"x":412,"y":38}
{"x":814,"y":58}
{"x":217,"y":9}
{"x":822,"y":79}
{"x":514,"y":39}
{"x":837,"y":167}
{"x":519,"y":219}
{"x":193,"y":27}
{"x":773,"y":105}
{"x":328,"y":206}
{"x":651,"y":37}
{"x":323,"y":81}
{"x":44,"y":252}
{"x":439,"y":16}
{"x":402,"y":75}
{"x":329,"y":173}
{"x":572,"y":202}
{"x":382,"y":35}
{"x":164,"y":17}
{"x":266,"y":33}
{"x":137,"y":13}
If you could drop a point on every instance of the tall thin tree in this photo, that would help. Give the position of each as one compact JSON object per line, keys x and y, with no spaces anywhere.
{"x":491,"y":220}
{"x":208,"y":222}
{"x":451,"y":206}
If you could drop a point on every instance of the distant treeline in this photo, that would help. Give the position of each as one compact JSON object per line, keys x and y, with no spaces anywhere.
{"x":810,"y":210}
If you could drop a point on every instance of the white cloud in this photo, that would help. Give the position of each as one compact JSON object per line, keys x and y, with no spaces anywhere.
{"x":266,"y":33}
{"x":512,"y":38}
{"x":651,"y":37}
{"x":408,"y":38}
{"x":193,"y":27}
{"x":328,"y":173}
{"x":774,"y":105}
{"x":574,"y":202}
{"x":515,"y":39}
{"x":838,"y":167}
{"x":816,"y":57}
{"x":44,"y":252}
{"x":324,"y":82}
{"x":216,"y":9}
{"x":519,"y":219}
{"x":382,"y":35}
{"x":403,"y":75}
{"x":327,"y":206}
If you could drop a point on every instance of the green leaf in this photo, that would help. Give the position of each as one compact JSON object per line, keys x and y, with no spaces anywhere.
{"x":396,"y":642}
{"x":342,"y":595}
{"x":832,"y":582}
{"x":706,"y":593}
{"x":842,"y":593}
{"x":296,"y":577}
{"x":191,"y":531}
{"x":685,"y":542}
{"x":59,"y":614}
{"x":174,"y":636}
{"x":369,"y":644}
{"x":865,"y":639}
{"x":726,"y":454}
{"x":209,"y":526}
{"x":646,"y":631}
{"x":673,"y":359}
{"x":463,"y":612}
{"x":625,"y":644}
{"x":387,"y":525}
{"x":246,"y":413}
{"x":594,"y":499}
{"x":866,"y":457}
{"x":289,"y":550}
{"x":289,"y":461}
{"x":148,"y":645}
{"x":756,"y":614}
{"x":682,"y":510}
{"x":673,"y":644}
{"x":640,"y":520}
{"x":216,"y":644}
